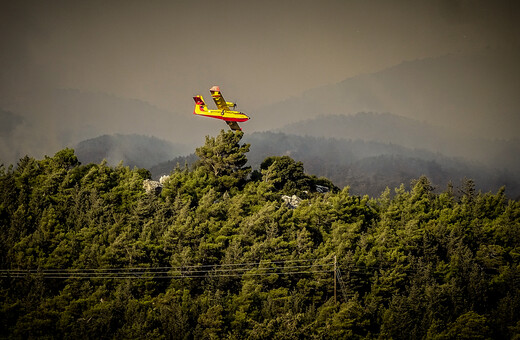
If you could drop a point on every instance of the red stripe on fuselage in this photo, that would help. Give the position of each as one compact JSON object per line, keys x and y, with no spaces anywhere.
{"x":235,"y":119}
{"x":222,"y":118}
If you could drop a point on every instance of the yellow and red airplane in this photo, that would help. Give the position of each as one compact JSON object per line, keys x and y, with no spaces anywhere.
{"x":224,"y":112}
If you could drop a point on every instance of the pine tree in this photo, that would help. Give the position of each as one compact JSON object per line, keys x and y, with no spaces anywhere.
{"x":224,"y":159}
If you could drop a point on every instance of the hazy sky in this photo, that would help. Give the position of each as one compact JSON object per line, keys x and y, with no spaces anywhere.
{"x":164,"y":52}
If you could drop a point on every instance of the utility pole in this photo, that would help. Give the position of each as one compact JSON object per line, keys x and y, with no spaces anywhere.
{"x":335,"y":271}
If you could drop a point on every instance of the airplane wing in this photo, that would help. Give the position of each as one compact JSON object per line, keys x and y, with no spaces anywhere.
{"x":217,"y":97}
{"x":233,"y":125}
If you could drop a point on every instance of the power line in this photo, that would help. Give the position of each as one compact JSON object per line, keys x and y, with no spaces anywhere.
{"x":165,"y":275}
{"x":260,"y":268}
{"x":214,"y":268}
{"x":264,"y":262}
{"x":126,"y":276}
{"x":152,"y":270}
{"x":191,"y":271}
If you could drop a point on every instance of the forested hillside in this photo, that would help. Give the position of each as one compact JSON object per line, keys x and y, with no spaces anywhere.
{"x":87,"y":253}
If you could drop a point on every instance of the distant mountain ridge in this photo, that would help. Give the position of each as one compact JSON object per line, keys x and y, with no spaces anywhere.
{"x":413,"y":134}
{"x":366,"y":126}
{"x":471,"y":91}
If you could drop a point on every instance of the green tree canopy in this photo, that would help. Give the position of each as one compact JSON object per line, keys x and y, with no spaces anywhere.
{"x":285,"y":174}
{"x":86,"y":253}
{"x":224,"y":159}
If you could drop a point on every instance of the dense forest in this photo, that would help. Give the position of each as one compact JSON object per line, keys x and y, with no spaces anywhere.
{"x":86,"y":252}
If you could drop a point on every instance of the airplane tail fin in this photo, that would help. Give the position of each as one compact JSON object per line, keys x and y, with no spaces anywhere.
{"x":200,"y":106}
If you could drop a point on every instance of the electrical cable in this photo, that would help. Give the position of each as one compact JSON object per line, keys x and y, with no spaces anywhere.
{"x":181,"y":276}
{"x":194,"y":271}
{"x":191,"y":271}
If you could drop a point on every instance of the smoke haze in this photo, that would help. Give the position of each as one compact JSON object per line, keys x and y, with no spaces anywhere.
{"x":158,"y":54}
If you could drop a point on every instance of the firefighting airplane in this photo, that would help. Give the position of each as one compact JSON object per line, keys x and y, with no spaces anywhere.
{"x":224,"y":112}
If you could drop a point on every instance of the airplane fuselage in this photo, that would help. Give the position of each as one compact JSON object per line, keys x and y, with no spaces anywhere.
{"x":227,"y":115}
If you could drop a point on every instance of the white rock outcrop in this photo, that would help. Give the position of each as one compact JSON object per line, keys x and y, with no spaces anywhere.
{"x":292,"y":201}
{"x":152,"y":187}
